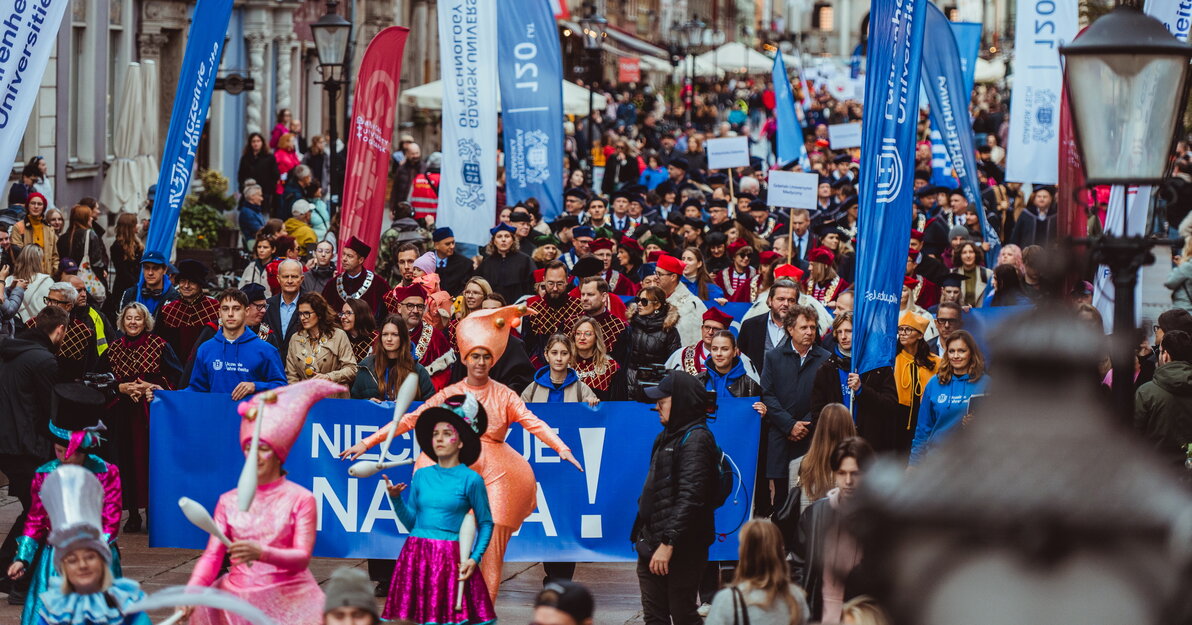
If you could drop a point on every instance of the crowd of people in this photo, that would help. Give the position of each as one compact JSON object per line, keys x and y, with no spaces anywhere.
{"x":662,"y":281}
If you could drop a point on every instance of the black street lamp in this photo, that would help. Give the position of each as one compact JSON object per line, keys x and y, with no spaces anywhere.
{"x":332,"y":34}
{"x":1126,"y":78}
{"x":593,"y":25}
{"x":691,"y":37}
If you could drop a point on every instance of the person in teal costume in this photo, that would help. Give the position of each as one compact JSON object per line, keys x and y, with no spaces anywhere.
{"x":74,"y":429}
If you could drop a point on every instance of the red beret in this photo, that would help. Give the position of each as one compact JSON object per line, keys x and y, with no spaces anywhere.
{"x":601,"y":244}
{"x":631,"y":243}
{"x":788,"y":271}
{"x":539,"y":275}
{"x":718,"y":316}
{"x":910,"y":282}
{"x":653,"y":257}
{"x":916,"y":235}
{"x":666,"y":262}
{"x":736,"y":245}
{"x":414,"y":290}
{"x":821,"y":255}
{"x":769,"y":256}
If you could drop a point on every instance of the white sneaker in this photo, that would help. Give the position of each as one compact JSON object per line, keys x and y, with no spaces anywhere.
{"x":704,"y":609}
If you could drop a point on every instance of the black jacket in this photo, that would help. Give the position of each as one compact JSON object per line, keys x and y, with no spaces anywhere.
{"x":676,"y":506}
{"x":649,"y":340}
{"x":262,"y":168}
{"x":752,"y":340}
{"x":1030,"y":230}
{"x":743,"y":386}
{"x":877,"y":411}
{"x":786,"y":391}
{"x":513,"y":369}
{"x":511,"y":275}
{"x":816,"y":524}
{"x":273,"y":320}
{"x":27,"y":379}
{"x":454,"y":276}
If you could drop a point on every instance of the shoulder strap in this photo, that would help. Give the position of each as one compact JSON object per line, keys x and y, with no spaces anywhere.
{"x":737,"y":594}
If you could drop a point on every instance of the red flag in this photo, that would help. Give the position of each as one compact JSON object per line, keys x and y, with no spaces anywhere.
{"x":1073,"y":222}
{"x":369,"y":152}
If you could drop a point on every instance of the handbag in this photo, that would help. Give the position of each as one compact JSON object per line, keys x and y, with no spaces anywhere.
{"x":91,"y":282}
{"x":740,"y":610}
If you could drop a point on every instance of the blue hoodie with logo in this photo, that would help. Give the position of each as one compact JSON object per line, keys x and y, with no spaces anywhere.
{"x":942,"y":410}
{"x":221,"y":365}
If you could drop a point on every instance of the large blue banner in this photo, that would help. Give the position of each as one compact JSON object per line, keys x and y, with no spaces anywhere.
{"x":204,"y":45}
{"x":581,"y":517}
{"x":887,"y":168}
{"x":968,"y":42}
{"x":943,"y":81}
{"x":791,"y":145}
{"x":530,"y":66}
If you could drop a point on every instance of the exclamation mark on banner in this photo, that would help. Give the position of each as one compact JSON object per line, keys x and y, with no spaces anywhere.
{"x":592,"y":443}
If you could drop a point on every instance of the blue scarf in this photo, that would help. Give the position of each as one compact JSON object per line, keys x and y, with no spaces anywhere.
{"x":542,"y":377}
{"x":720,"y":383}
{"x":151,"y":300}
{"x":842,"y":374}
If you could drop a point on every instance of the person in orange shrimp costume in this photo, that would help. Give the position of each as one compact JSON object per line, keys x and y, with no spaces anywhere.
{"x":512,"y":489}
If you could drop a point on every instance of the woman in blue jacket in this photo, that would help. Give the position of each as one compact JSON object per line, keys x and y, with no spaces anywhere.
{"x":946,"y":398}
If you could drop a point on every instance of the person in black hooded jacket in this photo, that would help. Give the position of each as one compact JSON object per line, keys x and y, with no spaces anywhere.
{"x":674,"y":525}
{"x":652,"y":337}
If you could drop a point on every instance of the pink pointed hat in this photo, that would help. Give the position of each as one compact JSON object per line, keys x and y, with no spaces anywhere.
{"x":284,"y":411}
{"x":488,"y":329}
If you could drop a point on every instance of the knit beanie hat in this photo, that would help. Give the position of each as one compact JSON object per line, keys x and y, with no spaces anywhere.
{"x":350,"y":588}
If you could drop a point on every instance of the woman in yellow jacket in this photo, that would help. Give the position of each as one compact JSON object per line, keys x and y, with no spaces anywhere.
{"x":34,"y":231}
{"x":913,"y":367}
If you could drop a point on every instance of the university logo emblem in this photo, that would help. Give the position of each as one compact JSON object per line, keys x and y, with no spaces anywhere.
{"x":889,"y":172}
{"x":537,"y":158}
{"x":470,"y":194}
{"x":1045,"y":101}
{"x":217,"y":365}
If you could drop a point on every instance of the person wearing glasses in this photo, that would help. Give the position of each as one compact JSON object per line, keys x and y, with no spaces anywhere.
{"x":357,"y":320}
{"x":948,"y":319}
{"x":651,"y":338}
{"x":689,"y":307}
{"x":321,"y":349}
{"x":740,"y":270}
{"x":77,"y":353}
{"x":914,"y":364}
{"x":430,"y":345}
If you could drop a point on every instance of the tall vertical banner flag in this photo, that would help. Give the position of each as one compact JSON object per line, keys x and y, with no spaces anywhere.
{"x":196,"y":80}
{"x":791,"y":145}
{"x":468,"y":57}
{"x":888,"y":129}
{"x":968,"y":42}
{"x":1070,"y":214}
{"x":943,"y":82}
{"x":30,"y":36}
{"x":1032,"y":149}
{"x":373,"y":114}
{"x":531,"y":73}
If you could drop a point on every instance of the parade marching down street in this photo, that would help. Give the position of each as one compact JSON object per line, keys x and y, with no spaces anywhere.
{"x":566,"y":312}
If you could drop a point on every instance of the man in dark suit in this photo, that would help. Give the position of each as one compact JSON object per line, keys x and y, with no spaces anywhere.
{"x":763,"y":333}
{"x":282,"y":314}
{"x":804,"y":240}
{"x":787,"y":383}
{"x":453,"y":268}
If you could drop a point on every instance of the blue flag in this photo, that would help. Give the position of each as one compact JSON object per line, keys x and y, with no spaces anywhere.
{"x":943,"y":81}
{"x":530,"y":67}
{"x":968,"y":42}
{"x":888,"y":128}
{"x":791,"y":145}
{"x":204,"y":45}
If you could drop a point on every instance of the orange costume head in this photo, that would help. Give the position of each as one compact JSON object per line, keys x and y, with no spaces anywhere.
{"x":488,"y":329}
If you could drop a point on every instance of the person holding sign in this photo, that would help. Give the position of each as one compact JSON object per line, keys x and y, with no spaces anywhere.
{"x":482,"y":338}
{"x":441,"y":495}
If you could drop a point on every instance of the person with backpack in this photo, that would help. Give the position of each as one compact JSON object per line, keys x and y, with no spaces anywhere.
{"x":674,"y":525}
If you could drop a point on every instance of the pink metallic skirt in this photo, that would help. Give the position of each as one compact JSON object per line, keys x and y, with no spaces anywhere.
{"x":424,"y":586}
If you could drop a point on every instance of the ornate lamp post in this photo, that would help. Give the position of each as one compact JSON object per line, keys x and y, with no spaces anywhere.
{"x":691,"y":37}
{"x":1126,"y":78}
{"x":593,"y":25}
{"x":332,"y":34}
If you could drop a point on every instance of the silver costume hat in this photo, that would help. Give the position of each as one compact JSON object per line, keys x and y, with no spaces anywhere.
{"x":73,"y":498}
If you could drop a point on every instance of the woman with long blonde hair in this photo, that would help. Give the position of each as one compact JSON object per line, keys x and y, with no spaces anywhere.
{"x":761,"y":591}
{"x":28,"y":267}
{"x":592,"y":362}
{"x":812,"y":473}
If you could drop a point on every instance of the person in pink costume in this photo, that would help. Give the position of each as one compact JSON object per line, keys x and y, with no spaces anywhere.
{"x":74,"y":430}
{"x":512,"y":490}
{"x":271,"y":542}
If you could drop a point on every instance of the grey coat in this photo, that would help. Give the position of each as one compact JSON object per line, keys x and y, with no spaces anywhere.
{"x":786,"y":391}
{"x":1180,"y":283}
